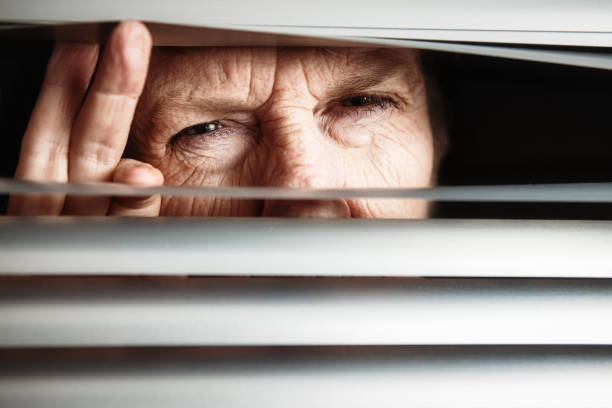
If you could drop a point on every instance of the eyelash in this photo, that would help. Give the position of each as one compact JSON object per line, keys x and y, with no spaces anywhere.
{"x":368,"y":100}
{"x":199,"y":130}
{"x":371,"y":103}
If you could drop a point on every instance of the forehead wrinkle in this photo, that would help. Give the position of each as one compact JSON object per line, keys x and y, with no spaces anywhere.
{"x":187,"y":79}
{"x":330,"y":71}
{"x":198,"y":102}
{"x":256,"y":90}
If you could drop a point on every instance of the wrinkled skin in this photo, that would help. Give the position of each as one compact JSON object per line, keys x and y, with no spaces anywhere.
{"x":286,"y":117}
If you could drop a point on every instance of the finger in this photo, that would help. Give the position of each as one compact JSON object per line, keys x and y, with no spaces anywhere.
{"x":103,"y":124}
{"x":141,"y":174}
{"x":44,"y":148}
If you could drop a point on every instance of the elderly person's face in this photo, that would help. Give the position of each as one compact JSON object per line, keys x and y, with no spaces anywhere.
{"x":287,"y":117}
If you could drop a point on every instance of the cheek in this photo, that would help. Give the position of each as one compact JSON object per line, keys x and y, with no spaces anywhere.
{"x":203,"y":164}
{"x":209,"y":207}
{"x":179,"y":170}
{"x":399,"y":154}
{"x":354,"y":136}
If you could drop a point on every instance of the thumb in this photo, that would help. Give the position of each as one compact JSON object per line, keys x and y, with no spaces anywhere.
{"x":137,"y":173}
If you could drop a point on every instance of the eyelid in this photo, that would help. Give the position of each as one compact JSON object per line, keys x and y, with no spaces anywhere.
{"x":378,"y":100}
{"x":185,"y":132}
{"x":235,"y":120}
{"x":202,"y":128}
{"x":337,"y":109}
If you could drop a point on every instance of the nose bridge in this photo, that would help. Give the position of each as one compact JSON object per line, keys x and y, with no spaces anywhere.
{"x":298,"y":154}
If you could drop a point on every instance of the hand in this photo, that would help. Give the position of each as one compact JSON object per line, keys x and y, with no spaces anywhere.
{"x":78,"y":131}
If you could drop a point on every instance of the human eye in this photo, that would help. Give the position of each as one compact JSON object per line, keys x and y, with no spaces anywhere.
{"x":363,"y":106}
{"x":207,"y":135}
{"x":368,"y":100}
{"x":222,"y":142}
{"x":199,"y":129}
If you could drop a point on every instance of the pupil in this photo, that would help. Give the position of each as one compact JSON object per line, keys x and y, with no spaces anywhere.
{"x":202,"y":128}
{"x":198,"y":129}
{"x":362,"y":100}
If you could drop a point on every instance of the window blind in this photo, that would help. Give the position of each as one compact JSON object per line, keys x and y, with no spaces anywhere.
{"x":294,"y":247}
{"x":222,"y":311}
{"x":306,"y":377}
{"x":267,"y":312}
{"x":216,"y":340}
{"x":571,"y":22}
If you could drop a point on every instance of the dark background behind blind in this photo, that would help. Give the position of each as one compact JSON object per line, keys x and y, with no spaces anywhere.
{"x":510,"y":122}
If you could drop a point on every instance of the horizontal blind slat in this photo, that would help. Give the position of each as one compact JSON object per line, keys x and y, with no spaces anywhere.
{"x":365,"y":377}
{"x":293,"y":247}
{"x":44,"y":312}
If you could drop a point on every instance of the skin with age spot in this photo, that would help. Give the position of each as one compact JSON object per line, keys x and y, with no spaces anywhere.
{"x":289,"y":117}
{"x":282,"y":117}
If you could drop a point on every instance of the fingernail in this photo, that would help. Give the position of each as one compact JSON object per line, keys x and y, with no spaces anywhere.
{"x":137,"y":35}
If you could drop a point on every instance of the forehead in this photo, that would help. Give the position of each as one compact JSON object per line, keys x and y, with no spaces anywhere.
{"x":251,"y":73}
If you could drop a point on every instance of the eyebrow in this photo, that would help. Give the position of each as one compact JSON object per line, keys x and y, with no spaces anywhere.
{"x":360,"y":81}
{"x":380,"y":65}
{"x":357,"y":83}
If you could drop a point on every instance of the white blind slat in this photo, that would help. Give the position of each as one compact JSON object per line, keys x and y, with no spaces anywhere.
{"x":78,"y":312}
{"x":294,"y":247}
{"x":320,"y":377}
